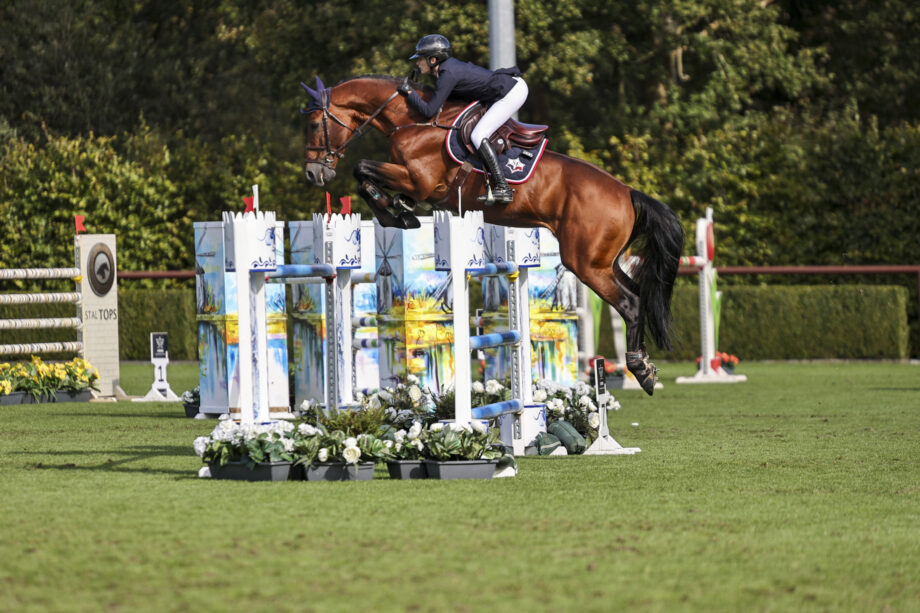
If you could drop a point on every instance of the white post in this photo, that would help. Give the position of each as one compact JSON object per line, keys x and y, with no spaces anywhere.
{"x":704,"y":252}
{"x":459,"y":245}
{"x":250,"y":238}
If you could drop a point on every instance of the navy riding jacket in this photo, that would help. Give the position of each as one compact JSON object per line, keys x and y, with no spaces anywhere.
{"x":465,"y":81}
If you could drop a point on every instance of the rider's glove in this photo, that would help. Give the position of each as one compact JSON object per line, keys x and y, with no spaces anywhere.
{"x":404,"y":88}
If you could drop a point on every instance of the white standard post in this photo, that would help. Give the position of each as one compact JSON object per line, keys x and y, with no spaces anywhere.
{"x":704,"y":248}
{"x":250,"y":238}
{"x":463,"y":375}
{"x":341,"y":248}
{"x":707,"y":316}
{"x":460,"y":245}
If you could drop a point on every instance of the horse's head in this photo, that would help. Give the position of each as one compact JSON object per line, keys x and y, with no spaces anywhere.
{"x":328,"y":130}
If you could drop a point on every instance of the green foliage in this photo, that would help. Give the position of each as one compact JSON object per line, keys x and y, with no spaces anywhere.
{"x":796,"y":322}
{"x":366,"y":420}
{"x":793,"y":120}
{"x":142,"y":311}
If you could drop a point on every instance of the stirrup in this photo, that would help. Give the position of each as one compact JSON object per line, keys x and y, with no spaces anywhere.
{"x":489,"y":198}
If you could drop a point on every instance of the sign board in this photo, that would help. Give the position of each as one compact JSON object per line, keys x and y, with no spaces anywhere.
{"x":159,"y":356}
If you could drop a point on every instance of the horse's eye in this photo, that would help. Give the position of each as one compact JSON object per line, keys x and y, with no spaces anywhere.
{"x":314,"y":125}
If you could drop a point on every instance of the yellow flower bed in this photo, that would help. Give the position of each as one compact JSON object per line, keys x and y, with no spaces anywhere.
{"x":39,"y":377}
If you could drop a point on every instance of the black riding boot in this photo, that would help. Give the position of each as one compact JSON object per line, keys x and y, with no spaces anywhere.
{"x":501,"y":192}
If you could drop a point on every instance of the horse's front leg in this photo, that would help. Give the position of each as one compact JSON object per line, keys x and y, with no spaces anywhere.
{"x":374,"y":178}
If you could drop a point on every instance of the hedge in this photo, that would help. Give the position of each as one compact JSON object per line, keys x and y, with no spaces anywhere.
{"x":758,"y":323}
{"x":800,"y":322}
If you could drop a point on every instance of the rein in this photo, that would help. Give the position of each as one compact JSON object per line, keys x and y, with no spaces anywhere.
{"x":356,"y":133}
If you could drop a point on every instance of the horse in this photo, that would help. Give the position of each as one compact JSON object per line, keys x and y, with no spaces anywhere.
{"x":595,"y":217}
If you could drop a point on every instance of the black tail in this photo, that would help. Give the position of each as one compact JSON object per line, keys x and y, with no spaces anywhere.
{"x":658,"y":239}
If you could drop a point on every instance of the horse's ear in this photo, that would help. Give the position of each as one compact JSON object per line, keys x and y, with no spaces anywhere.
{"x":311,"y":92}
{"x":319,"y":84}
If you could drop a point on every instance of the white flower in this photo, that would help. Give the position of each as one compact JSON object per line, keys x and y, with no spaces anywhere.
{"x":201,"y":445}
{"x":388,"y":444}
{"x":323,"y":455}
{"x":494,"y":387}
{"x":539,"y":396}
{"x":224,"y":417}
{"x":412,"y":380}
{"x":459,"y":427}
{"x":305,"y":406}
{"x":594,"y":420}
{"x":419,"y":444}
{"x":435,"y":427}
{"x":415,"y":431}
{"x":399,"y":446}
{"x":385,"y":395}
{"x":415,"y":393}
{"x":615,"y":405}
{"x":288,"y":444}
{"x":307,"y":430}
{"x":374,"y":403}
{"x":350,"y":442}
{"x":351,"y":454}
{"x":400,"y":435}
{"x":478,"y":387}
{"x":478,"y":427}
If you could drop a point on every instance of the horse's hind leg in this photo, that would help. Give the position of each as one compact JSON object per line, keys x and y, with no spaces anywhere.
{"x":618,"y":290}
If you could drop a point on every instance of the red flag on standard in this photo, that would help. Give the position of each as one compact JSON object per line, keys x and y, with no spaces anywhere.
{"x":78,"y":223}
{"x":249,"y":204}
{"x":328,"y":204}
{"x":346,"y":205}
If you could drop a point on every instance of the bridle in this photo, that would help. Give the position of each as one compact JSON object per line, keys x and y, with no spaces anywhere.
{"x":331,"y":154}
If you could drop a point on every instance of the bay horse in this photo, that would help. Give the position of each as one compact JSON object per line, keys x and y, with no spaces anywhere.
{"x":594,"y":216}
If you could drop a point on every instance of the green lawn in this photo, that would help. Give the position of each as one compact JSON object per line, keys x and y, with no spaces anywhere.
{"x":798,"y":490}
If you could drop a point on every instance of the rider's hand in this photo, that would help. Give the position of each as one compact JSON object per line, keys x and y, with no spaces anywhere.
{"x":404,"y":88}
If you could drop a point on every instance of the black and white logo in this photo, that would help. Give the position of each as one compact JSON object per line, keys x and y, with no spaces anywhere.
{"x":101,"y":269}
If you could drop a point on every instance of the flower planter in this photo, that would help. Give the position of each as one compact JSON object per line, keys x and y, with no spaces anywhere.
{"x":25,"y":398}
{"x":407,"y":469}
{"x":460,"y":469}
{"x":72,"y":396}
{"x":262,"y":471}
{"x":191,"y":410}
{"x":340,"y":471}
{"x":15,"y":398}
{"x":615,"y":381}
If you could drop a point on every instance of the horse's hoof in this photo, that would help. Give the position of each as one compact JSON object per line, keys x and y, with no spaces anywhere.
{"x":646,"y":372}
{"x":409,"y":221}
{"x":648,"y":382}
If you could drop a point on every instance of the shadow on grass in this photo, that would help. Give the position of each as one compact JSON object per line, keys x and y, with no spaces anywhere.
{"x":157,"y":415}
{"x":125,"y":456}
{"x":894,"y":389}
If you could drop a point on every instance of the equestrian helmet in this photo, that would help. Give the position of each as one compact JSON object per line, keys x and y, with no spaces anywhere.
{"x":433,"y":45}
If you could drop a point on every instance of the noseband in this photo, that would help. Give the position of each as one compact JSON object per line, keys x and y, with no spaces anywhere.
{"x":331,"y":154}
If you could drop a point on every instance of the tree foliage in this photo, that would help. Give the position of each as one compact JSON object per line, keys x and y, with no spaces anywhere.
{"x":794,"y":120}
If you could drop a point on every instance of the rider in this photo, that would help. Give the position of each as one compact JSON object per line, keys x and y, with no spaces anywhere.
{"x":503,"y":90}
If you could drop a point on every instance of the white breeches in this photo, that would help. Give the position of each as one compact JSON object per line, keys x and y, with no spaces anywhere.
{"x":500,"y":111}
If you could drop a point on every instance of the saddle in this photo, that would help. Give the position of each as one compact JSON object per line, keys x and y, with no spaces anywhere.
{"x":513,"y":132}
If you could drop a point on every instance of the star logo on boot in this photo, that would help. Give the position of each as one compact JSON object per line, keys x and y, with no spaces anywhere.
{"x":514,"y":165}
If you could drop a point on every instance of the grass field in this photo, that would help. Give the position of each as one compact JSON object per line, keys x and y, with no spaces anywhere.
{"x":798,"y":490}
